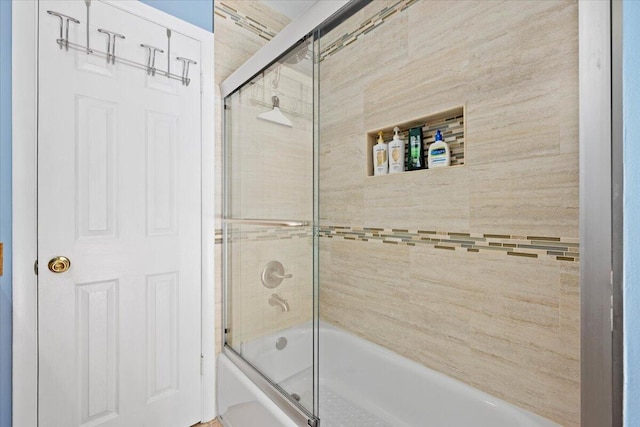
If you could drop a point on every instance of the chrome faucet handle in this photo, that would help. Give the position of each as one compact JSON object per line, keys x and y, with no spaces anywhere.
{"x":273,"y":274}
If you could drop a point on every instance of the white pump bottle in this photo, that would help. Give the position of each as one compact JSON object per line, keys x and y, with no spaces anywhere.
{"x":396,"y":152}
{"x":380,"y":159}
{"x":439,"y":153}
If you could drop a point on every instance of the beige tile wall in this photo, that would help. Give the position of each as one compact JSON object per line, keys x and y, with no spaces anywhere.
{"x":272,"y":165}
{"x":271,"y":178}
{"x":250,"y":314}
{"x":504,"y":324}
{"x":233,"y":46}
{"x":507,"y":325}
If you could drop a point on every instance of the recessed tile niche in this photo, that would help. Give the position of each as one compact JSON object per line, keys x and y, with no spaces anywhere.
{"x":451,"y":124}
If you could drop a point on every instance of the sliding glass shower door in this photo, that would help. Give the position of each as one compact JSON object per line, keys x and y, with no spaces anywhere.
{"x":268,"y":225}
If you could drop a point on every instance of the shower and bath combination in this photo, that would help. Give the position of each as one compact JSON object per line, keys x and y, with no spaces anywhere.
{"x":420,"y":299}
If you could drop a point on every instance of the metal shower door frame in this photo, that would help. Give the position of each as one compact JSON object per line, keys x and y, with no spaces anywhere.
{"x":600,"y":47}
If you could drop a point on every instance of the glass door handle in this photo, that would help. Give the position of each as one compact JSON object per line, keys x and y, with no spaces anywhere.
{"x":267,"y":222}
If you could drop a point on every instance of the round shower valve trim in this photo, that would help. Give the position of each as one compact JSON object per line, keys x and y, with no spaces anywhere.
{"x":273,"y":274}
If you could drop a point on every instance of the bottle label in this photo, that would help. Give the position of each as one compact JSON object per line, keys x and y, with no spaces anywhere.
{"x":414,"y":152}
{"x":381,"y":157}
{"x":438,"y":152}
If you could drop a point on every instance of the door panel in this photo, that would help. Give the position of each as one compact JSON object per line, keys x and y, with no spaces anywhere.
{"x":97,"y":350}
{"x":96,"y":169}
{"x":162,"y":132}
{"x":119,"y":195}
{"x":162,"y":330}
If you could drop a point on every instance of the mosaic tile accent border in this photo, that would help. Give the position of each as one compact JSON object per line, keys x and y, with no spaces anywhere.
{"x":244,"y":21}
{"x":225,"y":11}
{"x":365,"y":27}
{"x":557,"y":248}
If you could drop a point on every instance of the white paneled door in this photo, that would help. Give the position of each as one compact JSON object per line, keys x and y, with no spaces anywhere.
{"x":119,"y":176}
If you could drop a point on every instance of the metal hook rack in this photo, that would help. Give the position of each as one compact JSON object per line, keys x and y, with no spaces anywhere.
{"x":110,"y":54}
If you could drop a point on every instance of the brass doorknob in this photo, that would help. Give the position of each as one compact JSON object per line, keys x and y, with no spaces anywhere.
{"x":59,"y":264}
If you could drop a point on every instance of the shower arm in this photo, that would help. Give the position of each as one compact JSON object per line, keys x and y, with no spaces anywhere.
{"x":276,"y":79}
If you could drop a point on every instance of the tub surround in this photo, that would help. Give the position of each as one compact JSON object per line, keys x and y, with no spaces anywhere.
{"x":506,"y":325}
{"x":472,"y":271}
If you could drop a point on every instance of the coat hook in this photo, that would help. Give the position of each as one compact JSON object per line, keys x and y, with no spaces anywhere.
{"x":63,"y":42}
{"x":111,"y":44}
{"x":186,"y":62}
{"x":151,"y":58}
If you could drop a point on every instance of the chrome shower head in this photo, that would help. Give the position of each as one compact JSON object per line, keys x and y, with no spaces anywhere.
{"x":275,"y":115}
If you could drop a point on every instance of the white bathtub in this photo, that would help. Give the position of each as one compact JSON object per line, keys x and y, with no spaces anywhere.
{"x":361,"y":385}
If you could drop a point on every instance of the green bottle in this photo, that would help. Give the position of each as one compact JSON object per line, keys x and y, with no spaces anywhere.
{"x":415,"y":157}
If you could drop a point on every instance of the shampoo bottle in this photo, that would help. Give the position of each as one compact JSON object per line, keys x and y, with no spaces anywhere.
{"x":439,"y":153}
{"x":396,"y":153}
{"x":380,"y":159}
{"x":416,"y":158}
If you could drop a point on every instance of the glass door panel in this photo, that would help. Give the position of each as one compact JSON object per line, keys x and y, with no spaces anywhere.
{"x":268,"y":226}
